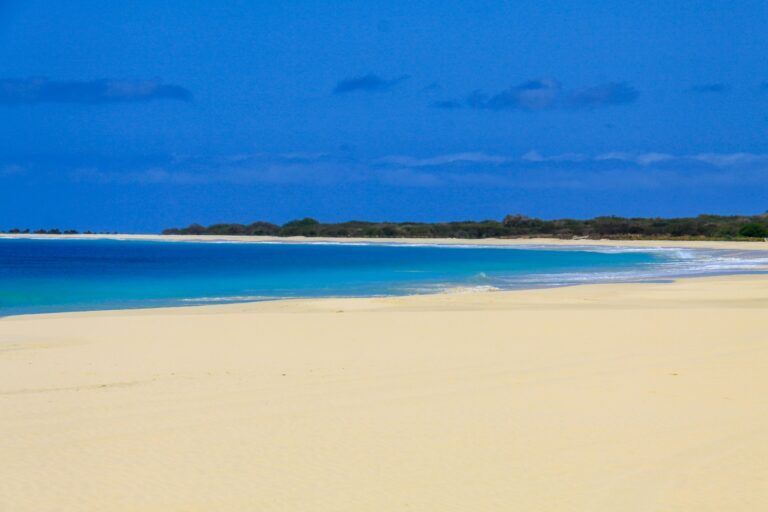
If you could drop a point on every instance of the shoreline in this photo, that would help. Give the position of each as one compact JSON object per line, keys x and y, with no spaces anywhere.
{"x":633,"y":397}
{"x":515,"y":296}
{"x":756,"y":269}
{"x":689,"y":244}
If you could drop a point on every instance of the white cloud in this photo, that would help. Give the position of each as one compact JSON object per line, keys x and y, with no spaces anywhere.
{"x":637,"y":158}
{"x":729,"y":159}
{"x":651,"y":158}
{"x":451,"y":158}
{"x":530,"y":170}
{"x":535,"y":156}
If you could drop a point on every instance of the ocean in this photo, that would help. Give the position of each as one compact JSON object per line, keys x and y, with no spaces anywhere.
{"x":42,"y":276}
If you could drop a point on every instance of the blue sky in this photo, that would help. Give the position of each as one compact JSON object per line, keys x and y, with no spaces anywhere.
{"x":134,"y":116}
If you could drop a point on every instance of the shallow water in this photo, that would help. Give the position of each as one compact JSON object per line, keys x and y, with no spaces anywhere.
{"x":70,"y":275}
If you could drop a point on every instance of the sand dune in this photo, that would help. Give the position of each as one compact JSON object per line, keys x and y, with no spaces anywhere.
{"x":642,"y":397}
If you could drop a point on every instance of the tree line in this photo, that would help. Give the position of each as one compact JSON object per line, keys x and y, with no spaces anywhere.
{"x":702,"y":227}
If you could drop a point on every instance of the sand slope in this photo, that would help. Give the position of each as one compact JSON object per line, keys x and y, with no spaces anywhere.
{"x":647,"y":397}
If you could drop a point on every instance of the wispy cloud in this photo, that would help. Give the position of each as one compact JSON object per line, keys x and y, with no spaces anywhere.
{"x":450,"y":158}
{"x":12,"y":169}
{"x":447,"y":104}
{"x":535,"y":156}
{"x":367,"y":83}
{"x":29,"y":91}
{"x":546,"y":94}
{"x":652,"y":158}
{"x":611,"y":93}
{"x":532,"y":95}
{"x":532,"y":170}
{"x":731,"y":159}
{"x":637,"y":158}
{"x":709,"y":88}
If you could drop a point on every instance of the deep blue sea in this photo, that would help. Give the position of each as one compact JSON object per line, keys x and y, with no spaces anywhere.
{"x":69,"y":275}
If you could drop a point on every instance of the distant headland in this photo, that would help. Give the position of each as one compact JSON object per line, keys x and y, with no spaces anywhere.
{"x":702,"y":227}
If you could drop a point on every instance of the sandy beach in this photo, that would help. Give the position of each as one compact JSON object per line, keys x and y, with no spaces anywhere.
{"x":631,"y":397}
{"x":690,"y":244}
{"x":176,"y":337}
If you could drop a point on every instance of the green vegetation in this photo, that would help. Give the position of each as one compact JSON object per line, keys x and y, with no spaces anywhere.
{"x":703,"y":227}
{"x":754,"y":230}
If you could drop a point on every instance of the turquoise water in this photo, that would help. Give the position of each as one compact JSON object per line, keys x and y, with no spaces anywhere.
{"x":68,"y":275}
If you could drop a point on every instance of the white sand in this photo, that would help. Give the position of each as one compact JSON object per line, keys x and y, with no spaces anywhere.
{"x":641,"y":397}
{"x":756,"y":245}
